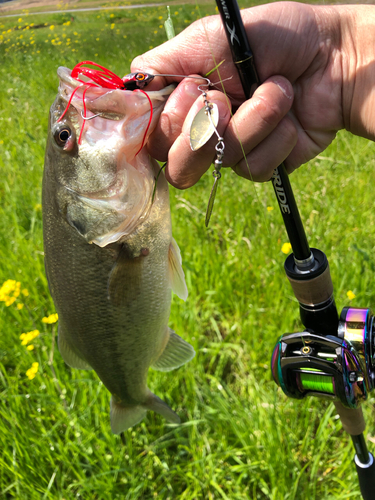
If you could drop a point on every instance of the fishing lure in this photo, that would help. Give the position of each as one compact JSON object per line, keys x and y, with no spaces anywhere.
{"x":105,"y":78}
{"x":202,"y":128}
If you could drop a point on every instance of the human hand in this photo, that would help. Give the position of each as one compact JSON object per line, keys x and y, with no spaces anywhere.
{"x":308,"y":61}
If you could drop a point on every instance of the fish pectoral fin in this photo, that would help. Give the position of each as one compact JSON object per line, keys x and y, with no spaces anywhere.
{"x":69,"y":354}
{"x":176,"y":273}
{"x":124,"y":281}
{"x":177,"y":352}
{"x":123,"y":417}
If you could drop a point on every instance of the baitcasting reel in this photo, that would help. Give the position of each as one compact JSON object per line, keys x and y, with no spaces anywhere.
{"x":340,"y":368}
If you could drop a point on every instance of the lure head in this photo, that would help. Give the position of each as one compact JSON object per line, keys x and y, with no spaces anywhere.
{"x":137,"y":80}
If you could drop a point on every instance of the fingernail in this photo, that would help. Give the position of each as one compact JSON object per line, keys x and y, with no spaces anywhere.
{"x":285,"y":86}
{"x":191,"y":89}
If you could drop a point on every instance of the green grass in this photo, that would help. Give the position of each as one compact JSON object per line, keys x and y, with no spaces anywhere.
{"x":241,"y":438}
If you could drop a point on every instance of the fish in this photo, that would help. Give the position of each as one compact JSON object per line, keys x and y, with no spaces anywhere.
{"x":111,"y":261}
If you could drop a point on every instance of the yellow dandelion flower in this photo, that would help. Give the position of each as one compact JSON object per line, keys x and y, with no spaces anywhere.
{"x":20,"y":20}
{"x":160,"y":17}
{"x":112,"y":26}
{"x":9,"y":301}
{"x":25,"y":292}
{"x":9,"y":291}
{"x":52,"y":27}
{"x":52,"y":318}
{"x":350,"y":295}
{"x":29,"y":336}
{"x":31,"y":372}
{"x":19,"y":306}
{"x":30,"y":347}
{"x":269,"y":209}
{"x":286,"y":248}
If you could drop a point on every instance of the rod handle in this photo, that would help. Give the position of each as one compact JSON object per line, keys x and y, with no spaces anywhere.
{"x":366,"y":477}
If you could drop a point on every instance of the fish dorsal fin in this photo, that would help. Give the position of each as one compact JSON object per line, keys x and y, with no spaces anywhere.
{"x":176,"y":273}
{"x":177,"y":352}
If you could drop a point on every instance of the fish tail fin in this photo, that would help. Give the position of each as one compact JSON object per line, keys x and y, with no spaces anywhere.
{"x":123,"y":417}
{"x":159,"y":406}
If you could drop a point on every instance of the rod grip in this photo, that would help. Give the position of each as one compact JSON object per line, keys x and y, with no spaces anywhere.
{"x":366,"y":477}
{"x":352,"y":419}
{"x":315,"y":290}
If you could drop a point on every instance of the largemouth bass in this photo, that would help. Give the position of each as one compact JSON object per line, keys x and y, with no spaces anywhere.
{"x":110,"y":258}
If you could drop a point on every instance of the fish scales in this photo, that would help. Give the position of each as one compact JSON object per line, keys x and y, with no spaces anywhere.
{"x":111,"y":261}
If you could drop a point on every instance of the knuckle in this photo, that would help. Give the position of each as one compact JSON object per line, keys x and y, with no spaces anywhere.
{"x":288,"y":130}
{"x":269,"y":112}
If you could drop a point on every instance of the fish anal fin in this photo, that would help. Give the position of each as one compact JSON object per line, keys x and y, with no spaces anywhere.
{"x":176,"y":273}
{"x":176,"y":353}
{"x":69,"y":354}
{"x":125,"y":416}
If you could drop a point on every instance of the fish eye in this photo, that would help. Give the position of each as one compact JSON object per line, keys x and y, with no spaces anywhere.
{"x":141,"y":77}
{"x":62,"y":135}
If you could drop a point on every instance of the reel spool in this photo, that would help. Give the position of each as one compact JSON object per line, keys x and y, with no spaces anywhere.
{"x":339,"y":368}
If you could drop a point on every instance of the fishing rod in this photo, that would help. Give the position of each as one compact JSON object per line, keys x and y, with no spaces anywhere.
{"x":334,"y":356}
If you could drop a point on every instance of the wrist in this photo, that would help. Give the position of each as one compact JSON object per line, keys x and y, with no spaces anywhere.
{"x":357,"y":31}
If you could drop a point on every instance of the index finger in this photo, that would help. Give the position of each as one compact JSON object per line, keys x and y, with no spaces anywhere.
{"x":180,"y":56}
